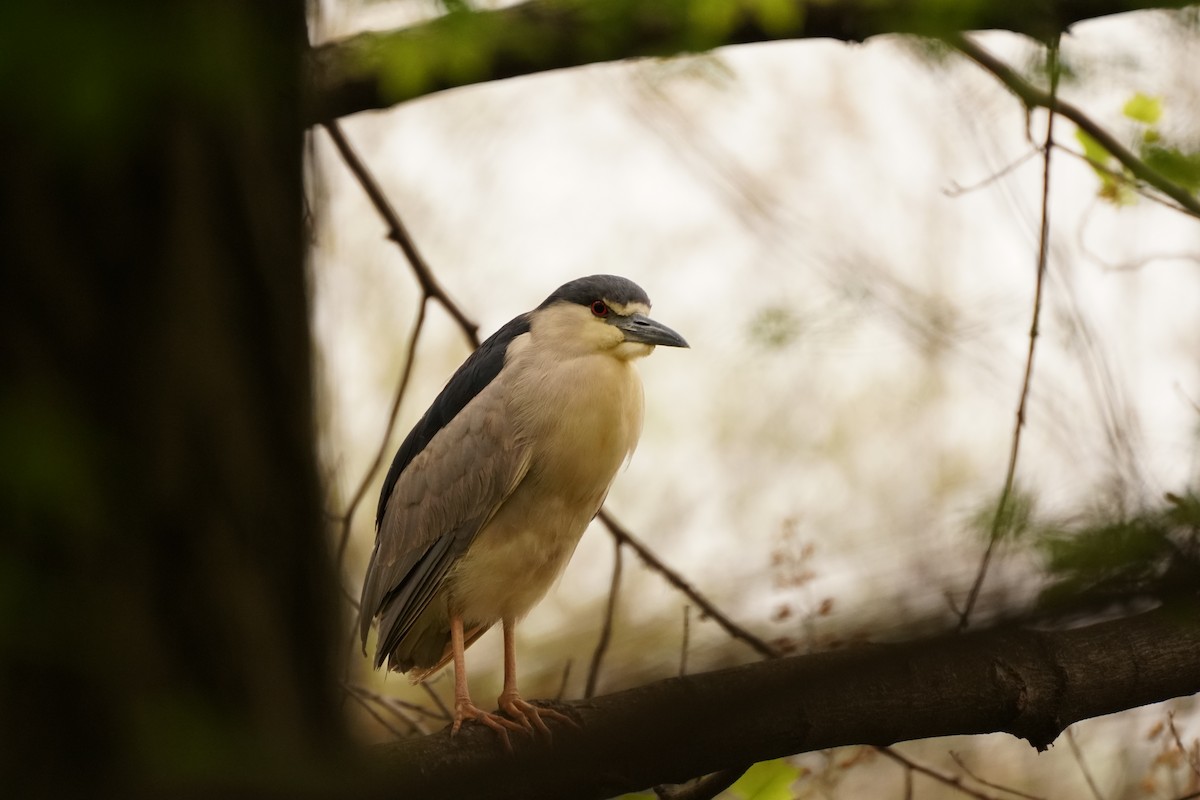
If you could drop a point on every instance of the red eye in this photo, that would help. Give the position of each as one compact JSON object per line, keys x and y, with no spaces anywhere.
{"x":600,"y":309}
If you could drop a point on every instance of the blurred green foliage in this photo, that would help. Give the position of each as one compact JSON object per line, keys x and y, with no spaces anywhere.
{"x":1153,"y":553}
{"x":767,"y":780}
{"x":775,"y":327}
{"x":1012,"y":520}
{"x":464,"y":45}
{"x":1178,"y":162}
{"x":1144,"y":108}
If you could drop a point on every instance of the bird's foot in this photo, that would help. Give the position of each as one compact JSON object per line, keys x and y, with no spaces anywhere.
{"x":465,"y":709}
{"x":532,"y":717}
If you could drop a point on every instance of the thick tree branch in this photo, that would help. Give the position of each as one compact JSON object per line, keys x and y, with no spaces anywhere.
{"x":1032,"y":684}
{"x":379,"y":70}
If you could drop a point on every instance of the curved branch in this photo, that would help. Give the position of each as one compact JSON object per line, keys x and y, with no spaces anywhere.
{"x":623,"y":536}
{"x":1032,"y":684}
{"x":1034,"y":97}
{"x":379,"y":70}
{"x":399,"y":234}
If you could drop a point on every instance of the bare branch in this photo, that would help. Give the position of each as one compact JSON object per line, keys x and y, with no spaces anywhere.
{"x":1193,"y":758}
{"x":362,"y":701}
{"x":1052,"y":69}
{"x":683,"y":647}
{"x":991,"y":785}
{"x":1032,"y":96}
{"x":398,"y":708}
{"x":399,"y":234}
{"x":562,"y":684}
{"x":675,"y":579}
{"x":957,"y":190}
{"x":953,"y":781}
{"x":1083,"y":767}
{"x":610,"y":613}
{"x":1123,"y":179}
{"x":437,"y":700}
{"x":410,"y":352}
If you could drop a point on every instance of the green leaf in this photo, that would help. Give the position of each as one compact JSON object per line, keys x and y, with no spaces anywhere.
{"x":1175,"y":165}
{"x":1143,"y":108}
{"x":767,"y":780}
{"x":1103,"y":164}
{"x":1092,"y":150}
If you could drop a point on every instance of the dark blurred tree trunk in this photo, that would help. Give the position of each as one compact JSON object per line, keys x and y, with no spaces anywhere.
{"x":167,"y":618}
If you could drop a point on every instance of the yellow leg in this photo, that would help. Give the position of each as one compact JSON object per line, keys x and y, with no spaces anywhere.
{"x":510,"y":701}
{"x":464,"y":709}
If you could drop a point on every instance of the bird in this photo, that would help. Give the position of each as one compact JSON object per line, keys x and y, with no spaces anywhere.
{"x":491,"y":491}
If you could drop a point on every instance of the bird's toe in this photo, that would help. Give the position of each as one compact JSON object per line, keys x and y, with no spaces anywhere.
{"x":533,"y":717}
{"x":501,"y":726}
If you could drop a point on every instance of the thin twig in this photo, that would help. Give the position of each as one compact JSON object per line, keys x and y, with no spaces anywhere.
{"x":952,"y":781}
{"x":562,"y":685}
{"x":446,"y":715}
{"x":1019,"y":425}
{"x":398,"y":233}
{"x":1032,"y":96}
{"x":397,"y":708}
{"x":975,"y":777}
{"x":957,"y":190}
{"x":416,"y":708}
{"x":675,"y":579}
{"x":1192,"y":760}
{"x":362,"y":701}
{"x":409,"y":357}
{"x":1083,"y":767}
{"x":401,"y":710}
{"x":683,"y":647}
{"x":1123,"y":179}
{"x":610,"y":613}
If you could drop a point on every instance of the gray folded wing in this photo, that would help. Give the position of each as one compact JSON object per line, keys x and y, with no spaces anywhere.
{"x":438,"y":504}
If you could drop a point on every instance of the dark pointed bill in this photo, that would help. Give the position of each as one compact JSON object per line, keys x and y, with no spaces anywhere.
{"x":640,"y":328}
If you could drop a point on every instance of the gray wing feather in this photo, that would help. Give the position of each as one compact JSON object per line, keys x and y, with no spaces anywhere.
{"x":439,"y":503}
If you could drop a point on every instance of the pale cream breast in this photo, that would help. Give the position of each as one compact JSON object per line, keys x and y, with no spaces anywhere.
{"x":582,"y":438}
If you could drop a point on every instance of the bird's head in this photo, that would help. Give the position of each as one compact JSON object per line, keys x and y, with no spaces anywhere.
{"x":603,"y":313}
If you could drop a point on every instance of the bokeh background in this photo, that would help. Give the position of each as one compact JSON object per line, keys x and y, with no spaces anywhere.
{"x":847,"y":235}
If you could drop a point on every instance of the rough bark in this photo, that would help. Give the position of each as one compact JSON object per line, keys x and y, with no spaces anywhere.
{"x":379,"y":70}
{"x":1032,"y":684}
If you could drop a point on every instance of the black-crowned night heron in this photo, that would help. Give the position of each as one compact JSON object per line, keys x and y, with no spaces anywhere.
{"x":489,"y":494}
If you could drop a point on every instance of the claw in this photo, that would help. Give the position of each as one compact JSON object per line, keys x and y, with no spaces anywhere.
{"x":530,"y":716}
{"x":468,"y":710}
